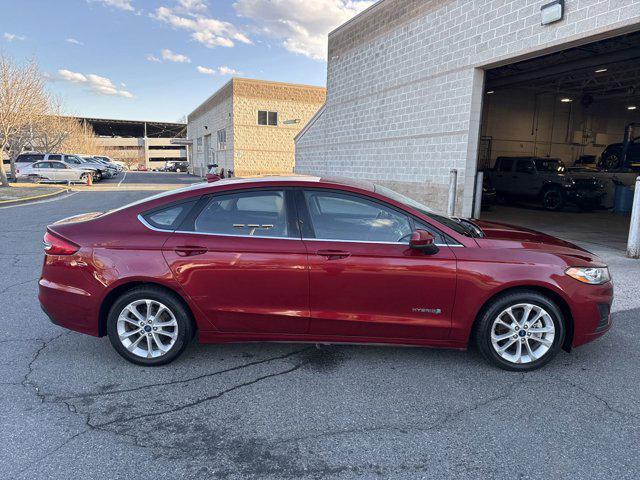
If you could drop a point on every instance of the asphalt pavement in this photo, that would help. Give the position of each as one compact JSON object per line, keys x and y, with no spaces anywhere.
{"x":72,"y":408}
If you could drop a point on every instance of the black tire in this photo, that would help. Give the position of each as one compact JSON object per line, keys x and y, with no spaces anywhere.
{"x":552,"y":199}
{"x":611,"y":161}
{"x":490,"y":313}
{"x":173,"y":302}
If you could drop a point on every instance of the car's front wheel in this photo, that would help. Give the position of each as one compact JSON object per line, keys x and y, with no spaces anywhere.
{"x":521,"y":331}
{"x":149,"y":326}
{"x":553,"y":199}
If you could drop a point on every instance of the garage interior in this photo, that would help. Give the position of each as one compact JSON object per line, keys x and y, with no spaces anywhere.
{"x":569,"y":105}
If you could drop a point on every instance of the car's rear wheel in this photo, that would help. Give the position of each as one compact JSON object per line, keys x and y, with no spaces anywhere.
{"x":611,"y":161}
{"x":149,"y":326}
{"x":520,"y":331}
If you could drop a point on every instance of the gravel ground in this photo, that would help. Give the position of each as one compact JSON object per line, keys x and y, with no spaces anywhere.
{"x":72,"y":408}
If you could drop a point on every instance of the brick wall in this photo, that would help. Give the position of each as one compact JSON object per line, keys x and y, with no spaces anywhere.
{"x":405,"y":90}
{"x":253,"y":149}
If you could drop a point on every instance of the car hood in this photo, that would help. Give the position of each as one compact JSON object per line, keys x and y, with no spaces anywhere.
{"x":502,"y":235}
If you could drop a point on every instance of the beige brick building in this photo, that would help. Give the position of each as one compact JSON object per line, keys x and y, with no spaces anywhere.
{"x":249,"y":126}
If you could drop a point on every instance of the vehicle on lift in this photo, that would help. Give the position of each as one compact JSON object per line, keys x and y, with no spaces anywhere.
{"x":544,"y":180}
{"x":309,"y":259}
{"x":613,"y":156}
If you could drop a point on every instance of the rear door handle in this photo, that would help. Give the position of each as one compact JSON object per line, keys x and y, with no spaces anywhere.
{"x":333,"y":254}
{"x":189,"y":250}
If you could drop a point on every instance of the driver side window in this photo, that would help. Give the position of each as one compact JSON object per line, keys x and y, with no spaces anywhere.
{"x":339,"y":216}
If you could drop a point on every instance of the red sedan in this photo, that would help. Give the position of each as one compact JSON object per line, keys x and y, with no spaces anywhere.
{"x":305,"y":259}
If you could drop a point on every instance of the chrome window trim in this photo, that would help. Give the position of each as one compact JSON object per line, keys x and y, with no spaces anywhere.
{"x":237,"y":236}
{"x":373,"y":242}
{"x":151,"y":227}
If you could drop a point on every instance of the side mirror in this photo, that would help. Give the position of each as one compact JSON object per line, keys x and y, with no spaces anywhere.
{"x":423,"y":241}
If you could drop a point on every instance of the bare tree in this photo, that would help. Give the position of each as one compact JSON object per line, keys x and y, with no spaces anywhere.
{"x":80,"y":139}
{"x":23,"y":101}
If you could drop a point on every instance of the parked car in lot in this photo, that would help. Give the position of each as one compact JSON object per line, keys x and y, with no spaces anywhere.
{"x":611,"y":158}
{"x":97,"y":171}
{"x":53,"y":172}
{"x":121,"y":166}
{"x":306,"y":259}
{"x":175,"y":166}
{"x":544,"y":180}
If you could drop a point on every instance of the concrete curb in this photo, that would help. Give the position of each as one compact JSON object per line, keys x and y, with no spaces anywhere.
{"x":17,"y":201}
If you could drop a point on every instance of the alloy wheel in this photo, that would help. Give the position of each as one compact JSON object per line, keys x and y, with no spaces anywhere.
{"x":552,"y":199}
{"x":522,"y":333}
{"x":147,"y":328}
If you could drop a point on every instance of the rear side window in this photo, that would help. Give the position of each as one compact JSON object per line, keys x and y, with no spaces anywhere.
{"x":259,"y":214}
{"x":29,"y":158}
{"x":55,"y":157}
{"x":169,"y":217}
{"x":42,"y":165}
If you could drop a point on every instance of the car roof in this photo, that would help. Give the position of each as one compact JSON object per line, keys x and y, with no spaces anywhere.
{"x":294,"y":179}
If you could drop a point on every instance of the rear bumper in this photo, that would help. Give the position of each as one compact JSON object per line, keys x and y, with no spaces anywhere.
{"x":68,"y":307}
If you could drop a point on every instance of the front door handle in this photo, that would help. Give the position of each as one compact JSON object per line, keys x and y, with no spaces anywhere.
{"x":189,"y":250}
{"x":333,"y":254}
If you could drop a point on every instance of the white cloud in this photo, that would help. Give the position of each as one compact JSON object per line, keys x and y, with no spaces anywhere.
{"x":224,"y":70}
{"x":174,"y":57}
{"x":96,"y":83}
{"x":152,"y":58}
{"x":301,"y":25}
{"x":70,"y":76}
{"x":191,"y":15}
{"x":73,"y":41}
{"x":205,"y":70}
{"x":10,"y":37}
{"x":119,"y":4}
{"x":227,"y":71}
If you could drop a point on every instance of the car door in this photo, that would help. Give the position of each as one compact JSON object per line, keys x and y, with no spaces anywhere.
{"x":364,"y":279}
{"x":241,"y":260}
{"x":58,"y":171}
{"x":44,"y":170}
{"x":524,"y":180}
{"x":502,"y":173}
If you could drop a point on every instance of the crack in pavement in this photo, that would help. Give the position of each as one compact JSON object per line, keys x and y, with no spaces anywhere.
{"x":203,"y":400}
{"x":181,"y":381}
{"x":27,"y":382}
{"x":4,"y":290}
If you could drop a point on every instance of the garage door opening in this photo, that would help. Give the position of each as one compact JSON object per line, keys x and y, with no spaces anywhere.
{"x":560,"y":141}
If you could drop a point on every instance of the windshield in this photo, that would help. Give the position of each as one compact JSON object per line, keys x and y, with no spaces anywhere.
{"x":461,"y":226}
{"x":549,"y":165}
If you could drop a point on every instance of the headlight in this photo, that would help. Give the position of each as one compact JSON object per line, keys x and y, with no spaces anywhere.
{"x":590,"y":275}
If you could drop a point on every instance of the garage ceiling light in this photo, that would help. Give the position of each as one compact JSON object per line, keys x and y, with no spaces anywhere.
{"x":566,"y":100}
{"x":631,"y":107}
{"x":601,"y":70}
{"x":490,"y":92}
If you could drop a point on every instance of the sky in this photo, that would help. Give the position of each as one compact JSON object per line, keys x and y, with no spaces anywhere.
{"x":159,"y":59}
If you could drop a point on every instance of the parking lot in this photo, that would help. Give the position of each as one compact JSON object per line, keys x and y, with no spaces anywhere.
{"x":72,"y":408}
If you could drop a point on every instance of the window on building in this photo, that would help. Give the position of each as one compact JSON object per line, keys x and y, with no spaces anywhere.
{"x":267,"y":118}
{"x":199,"y":144}
{"x":222,"y":139}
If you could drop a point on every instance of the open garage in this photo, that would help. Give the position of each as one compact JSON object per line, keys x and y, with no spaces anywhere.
{"x":560,"y":140}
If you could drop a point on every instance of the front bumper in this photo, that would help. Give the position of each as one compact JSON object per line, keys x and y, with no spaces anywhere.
{"x":585,"y":195}
{"x":591,"y":311}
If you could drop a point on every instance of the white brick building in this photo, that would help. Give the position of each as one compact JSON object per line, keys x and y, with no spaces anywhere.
{"x":406,"y":82}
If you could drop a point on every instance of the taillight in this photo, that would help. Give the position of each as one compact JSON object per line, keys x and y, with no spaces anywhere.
{"x":54,"y":245}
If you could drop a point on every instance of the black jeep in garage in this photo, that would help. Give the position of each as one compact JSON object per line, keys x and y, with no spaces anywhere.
{"x":544,"y":180}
